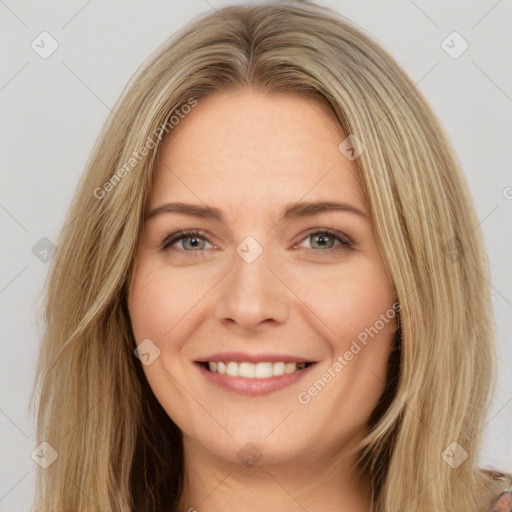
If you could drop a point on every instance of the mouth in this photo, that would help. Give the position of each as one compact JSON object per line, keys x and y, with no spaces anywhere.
{"x":253,"y":375}
{"x":261,"y":370}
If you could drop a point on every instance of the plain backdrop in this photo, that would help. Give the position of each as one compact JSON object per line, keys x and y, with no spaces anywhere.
{"x":52,"y":110}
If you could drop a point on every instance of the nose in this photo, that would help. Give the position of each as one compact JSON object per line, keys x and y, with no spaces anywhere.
{"x":252,"y":294}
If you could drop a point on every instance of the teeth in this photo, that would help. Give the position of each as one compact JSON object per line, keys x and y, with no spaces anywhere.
{"x":252,"y":371}
{"x":264,"y":370}
{"x":278,"y":369}
{"x":232,"y":369}
{"x":246,"y":370}
{"x":289,"y":367}
{"x":221,"y":368}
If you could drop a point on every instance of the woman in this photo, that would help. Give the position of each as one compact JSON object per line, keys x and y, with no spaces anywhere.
{"x":268,"y":370}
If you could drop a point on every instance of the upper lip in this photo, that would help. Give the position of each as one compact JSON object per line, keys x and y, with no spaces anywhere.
{"x":242,"y":357}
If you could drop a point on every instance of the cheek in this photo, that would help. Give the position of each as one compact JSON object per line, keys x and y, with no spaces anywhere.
{"x":362,"y":327}
{"x":160,"y":300}
{"x":354,"y":310}
{"x":352,"y":301}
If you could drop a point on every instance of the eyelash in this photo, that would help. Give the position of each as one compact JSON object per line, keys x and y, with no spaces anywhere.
{"x":345,"y":241}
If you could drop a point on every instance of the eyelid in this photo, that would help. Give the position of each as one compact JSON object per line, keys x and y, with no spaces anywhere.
{"x":345,"y":241}
{"x":172,"y":238}
{"x":344,"y":238}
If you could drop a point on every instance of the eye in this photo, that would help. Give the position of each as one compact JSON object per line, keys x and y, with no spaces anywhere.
{"x":192,"y":241}
{"x":325,"y":241}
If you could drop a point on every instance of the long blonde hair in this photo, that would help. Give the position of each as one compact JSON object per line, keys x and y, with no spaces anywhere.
{"x":117,"y":449}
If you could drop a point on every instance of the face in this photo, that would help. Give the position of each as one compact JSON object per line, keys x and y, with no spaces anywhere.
{"x":269,"y":319}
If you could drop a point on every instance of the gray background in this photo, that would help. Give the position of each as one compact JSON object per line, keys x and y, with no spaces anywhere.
{"x":52,"y":110}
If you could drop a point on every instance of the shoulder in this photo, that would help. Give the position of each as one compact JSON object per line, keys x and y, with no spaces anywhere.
{"x":492,"y":484}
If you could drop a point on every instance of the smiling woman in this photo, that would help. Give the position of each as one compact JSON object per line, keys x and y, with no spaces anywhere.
{"x":267,"y":327}
{"x":289,"y":279}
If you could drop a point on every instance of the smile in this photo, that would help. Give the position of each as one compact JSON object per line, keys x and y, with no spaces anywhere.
{"x":262,"y":370}
{"x":253,"y":375}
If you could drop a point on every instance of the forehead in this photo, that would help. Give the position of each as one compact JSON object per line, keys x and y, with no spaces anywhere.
{"x":249,"y":149}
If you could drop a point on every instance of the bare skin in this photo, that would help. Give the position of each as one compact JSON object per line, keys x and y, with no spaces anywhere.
{"x":306,"y":295}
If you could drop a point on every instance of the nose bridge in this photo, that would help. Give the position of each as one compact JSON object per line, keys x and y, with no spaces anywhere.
{"x":251,"y":293}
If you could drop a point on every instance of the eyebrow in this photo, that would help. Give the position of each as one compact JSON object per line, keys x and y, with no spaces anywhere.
{"x":295,"y":210}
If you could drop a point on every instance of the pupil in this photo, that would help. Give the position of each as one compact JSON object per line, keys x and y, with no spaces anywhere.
{"x":193,"y":241}
{"x":322,"y":239}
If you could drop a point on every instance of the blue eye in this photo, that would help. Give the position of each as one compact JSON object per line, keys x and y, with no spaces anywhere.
{"x":194,"y":241}
{"x":195,"y":237}
{"x":329,"y":237}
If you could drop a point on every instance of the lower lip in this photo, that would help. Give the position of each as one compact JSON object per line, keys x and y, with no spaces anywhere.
{"x":254,"y":387}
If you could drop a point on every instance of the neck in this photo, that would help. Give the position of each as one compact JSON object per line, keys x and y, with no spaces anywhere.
{"x":306,"y":483}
